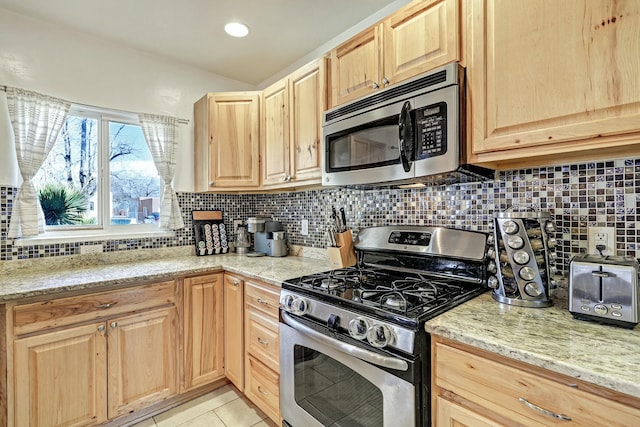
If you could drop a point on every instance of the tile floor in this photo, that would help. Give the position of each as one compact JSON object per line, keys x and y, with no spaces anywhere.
{"x":224,"y":407}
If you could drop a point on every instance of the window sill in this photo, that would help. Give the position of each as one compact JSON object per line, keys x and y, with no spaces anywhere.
{"x":52,"y":238}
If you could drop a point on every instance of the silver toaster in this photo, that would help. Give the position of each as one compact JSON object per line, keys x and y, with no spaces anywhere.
{"x":604,"y":289}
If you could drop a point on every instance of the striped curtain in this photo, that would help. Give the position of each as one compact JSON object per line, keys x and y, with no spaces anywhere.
{"x":36,"y":121}
{"x":161,"y":133}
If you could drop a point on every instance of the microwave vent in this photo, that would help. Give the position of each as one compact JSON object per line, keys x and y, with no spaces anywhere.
{"x":376,"y":99}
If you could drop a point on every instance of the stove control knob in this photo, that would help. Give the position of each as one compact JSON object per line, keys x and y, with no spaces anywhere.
{"x":358,"y":328}
{"x":379,"y":335}
{"x":299,"y":306}
{"x":287,"y":303}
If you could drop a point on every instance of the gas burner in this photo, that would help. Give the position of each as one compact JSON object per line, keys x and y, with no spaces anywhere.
{"x":330,"y":283}
{"x":394,"y":300}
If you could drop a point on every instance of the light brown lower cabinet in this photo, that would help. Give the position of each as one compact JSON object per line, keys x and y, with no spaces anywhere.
{"x":203,"y":334}
{"x":262,"y":347}
{"x":74,"y":372}
{"x":234,"y":330}
{"x":472,"y":387}
{"x":70,"y":363}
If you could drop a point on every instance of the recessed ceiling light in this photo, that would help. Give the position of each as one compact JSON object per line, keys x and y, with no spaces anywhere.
{"x":236,"y":29}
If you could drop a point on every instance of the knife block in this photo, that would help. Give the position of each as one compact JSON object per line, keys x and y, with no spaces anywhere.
{"x":344,"y":255}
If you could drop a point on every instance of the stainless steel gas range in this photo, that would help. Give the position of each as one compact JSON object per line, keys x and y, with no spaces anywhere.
{"x":353,"y":350}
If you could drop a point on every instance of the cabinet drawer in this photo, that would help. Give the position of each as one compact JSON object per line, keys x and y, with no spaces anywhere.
{"x":263,"y":339}
{"x":65,"y":311}
{"x":262,"y":387}
{"x":510,"y":391}
{"x":263,"y":298}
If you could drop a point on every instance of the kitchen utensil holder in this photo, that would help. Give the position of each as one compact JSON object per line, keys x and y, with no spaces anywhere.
{"x":344,"y":254}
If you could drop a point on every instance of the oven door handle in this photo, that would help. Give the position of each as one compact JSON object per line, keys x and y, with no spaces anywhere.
{"x":367,"y":356}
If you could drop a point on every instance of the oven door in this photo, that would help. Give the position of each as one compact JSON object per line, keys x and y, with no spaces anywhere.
{"x":326,"y":382}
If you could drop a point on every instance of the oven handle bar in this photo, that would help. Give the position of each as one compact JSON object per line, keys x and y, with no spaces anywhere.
{"x":367,"y":356}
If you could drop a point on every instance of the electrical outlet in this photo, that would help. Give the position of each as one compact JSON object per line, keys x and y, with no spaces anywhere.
{"x":304,"y":229}
{"x":236,"y":223}
{"x":604,"y":236}
{"x":91,"y":249}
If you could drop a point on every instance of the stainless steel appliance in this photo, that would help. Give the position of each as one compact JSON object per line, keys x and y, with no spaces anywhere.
{"x":604,"y":289}
{"x":408,"y":133}
{"x":353,"y":350}
{"x":523,"y":258}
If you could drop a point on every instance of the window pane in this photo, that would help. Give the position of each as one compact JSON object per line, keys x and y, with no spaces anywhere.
{"x":67,"y":181}
{"x":135,"y":184}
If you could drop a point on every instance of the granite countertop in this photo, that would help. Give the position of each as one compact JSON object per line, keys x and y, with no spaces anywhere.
{"x":546,"y":337}
{"x":550,"y":338}
{"x":77,"y":275}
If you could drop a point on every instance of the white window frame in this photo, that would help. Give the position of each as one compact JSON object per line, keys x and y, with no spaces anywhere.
{"x":105,"y":231}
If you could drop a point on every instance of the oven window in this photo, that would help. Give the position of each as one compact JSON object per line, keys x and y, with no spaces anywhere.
{"x":373,"y":145}
{"x":334,"y":394}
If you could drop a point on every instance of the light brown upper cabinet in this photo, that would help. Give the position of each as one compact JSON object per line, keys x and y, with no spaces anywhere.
{"x":291,"y":127}
{"x":549,"y":78}
{"x":227,"y":143}
{"x":419,"y":37}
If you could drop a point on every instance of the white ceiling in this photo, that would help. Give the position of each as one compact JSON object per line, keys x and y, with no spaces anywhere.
{"x":191,"y":31}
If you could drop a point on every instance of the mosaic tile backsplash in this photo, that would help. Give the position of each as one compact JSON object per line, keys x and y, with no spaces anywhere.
{"x":577,"y":195}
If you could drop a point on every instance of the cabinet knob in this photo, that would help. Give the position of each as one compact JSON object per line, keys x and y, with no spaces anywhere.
{"x":385,"y":82}
{"x":263,"y":342}
{"x":114,"y":325}
{"x":264,"y":393}
{"x":212,"y":183}
{"x":100,"y":328}
{"x":261,"y":301}
{"x":375,"y":86}
{"x":236,"y":282}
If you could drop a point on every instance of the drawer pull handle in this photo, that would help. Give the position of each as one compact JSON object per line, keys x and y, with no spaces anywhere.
{"x":106,"y":305}
{"x":543,"y":411}
{"x":261,"y":301}
{"x":264,"y":393}
{"x":602,"y":274}
{"x":263,"y":342}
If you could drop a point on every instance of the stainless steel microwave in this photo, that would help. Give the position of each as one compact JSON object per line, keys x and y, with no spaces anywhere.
{"x":408,"y":133}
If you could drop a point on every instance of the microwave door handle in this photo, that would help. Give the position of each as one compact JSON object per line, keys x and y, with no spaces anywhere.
{"x":405,"y":136}
{"x":367,"y":356}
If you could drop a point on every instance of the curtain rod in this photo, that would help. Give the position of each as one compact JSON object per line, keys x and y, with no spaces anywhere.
{"x":3,"y":88}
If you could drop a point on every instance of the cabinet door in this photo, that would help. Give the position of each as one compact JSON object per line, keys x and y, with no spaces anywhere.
{"x":234,"y":147}
{"x":548,"y":77}
{"x":203,"y":330}
{"x":356,"y":66}
{"x":451,"y":415}
{"x":308,"y":100}
{"x":142,"y":360}
{"x":233,"y":330}
{"x":61,"y":377}
{"x":275,"y":134}
{"x":420,"y":37}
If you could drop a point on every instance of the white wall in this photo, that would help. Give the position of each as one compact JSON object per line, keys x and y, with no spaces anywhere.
{"x":60,"y":62}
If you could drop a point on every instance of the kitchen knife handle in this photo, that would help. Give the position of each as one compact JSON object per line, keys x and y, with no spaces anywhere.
{"x":343,"y":216}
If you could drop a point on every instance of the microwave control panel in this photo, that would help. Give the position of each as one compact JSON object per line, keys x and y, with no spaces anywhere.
{"x":431,"y":130}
